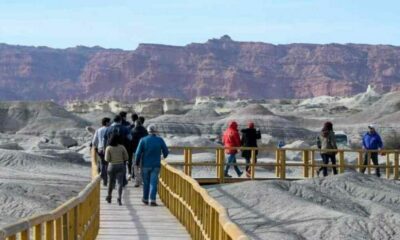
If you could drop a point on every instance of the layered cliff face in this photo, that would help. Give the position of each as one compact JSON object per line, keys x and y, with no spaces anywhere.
{"x":219,"y":67}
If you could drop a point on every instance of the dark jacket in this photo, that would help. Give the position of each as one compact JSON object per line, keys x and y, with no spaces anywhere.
{"x":138,"y":133}
{"x":249,"y":139}
{"x":121,"y":131}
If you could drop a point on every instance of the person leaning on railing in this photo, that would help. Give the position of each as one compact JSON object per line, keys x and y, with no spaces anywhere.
{"x":116,"y":156}
{"x":149,"y":154}
{"x":372,"y":141}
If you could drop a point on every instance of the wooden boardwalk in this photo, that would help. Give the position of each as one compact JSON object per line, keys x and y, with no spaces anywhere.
{"x":134,"y":220}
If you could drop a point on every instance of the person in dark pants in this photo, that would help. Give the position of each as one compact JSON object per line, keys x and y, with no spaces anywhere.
{"x":149,"y":154}
{"x":116,"y":155}
{"x":122,"y":132}
{"x":249,"y":139}
{"x":231,"y":139}
{"x":372,"y":141}
{"x":327,"y":141}
{"x":98,"y":144}
{"x":127,"y":142}
{"x":138,"y":133}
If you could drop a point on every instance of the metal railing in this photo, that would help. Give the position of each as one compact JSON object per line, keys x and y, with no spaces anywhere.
{"x":203,"y":217}
{"x":78,"y":218}
{"x":308,"y":161}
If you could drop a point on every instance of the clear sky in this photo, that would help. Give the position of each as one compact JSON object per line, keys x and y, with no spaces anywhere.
{"x":126,"y":23}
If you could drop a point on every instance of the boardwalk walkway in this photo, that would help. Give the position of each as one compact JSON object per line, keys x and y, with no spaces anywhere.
{"x":133,"y":220}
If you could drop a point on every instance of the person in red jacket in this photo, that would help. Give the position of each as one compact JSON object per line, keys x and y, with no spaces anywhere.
{"x":231,"y":138}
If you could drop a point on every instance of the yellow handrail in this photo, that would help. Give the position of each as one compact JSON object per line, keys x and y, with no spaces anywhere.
{"x":78,"y":218}
{"x":308,"y":160}
{"x":203,"y":217}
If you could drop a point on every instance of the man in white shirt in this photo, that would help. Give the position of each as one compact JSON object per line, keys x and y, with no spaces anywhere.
{"x":98,"y":144}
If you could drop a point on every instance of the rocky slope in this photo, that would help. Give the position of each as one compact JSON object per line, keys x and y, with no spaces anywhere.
{"x":219,"y":67}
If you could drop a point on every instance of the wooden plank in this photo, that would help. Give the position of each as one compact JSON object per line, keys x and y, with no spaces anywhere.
{"x":134,"y":220}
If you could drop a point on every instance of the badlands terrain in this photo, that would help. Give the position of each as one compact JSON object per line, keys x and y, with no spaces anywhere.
{"x":44,"y":159}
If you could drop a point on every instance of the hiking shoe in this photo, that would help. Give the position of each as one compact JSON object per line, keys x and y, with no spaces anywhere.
{"x":318,"y":172}
{"x":108,"y":199}
{"x":119,"y":201}
{"x":153,"y":204}
{"x":240,"y":174}
{"x":146,"y":202}
{"x":227,"y":175}
{"x":129,"y":177}
{"x":136,"y":185}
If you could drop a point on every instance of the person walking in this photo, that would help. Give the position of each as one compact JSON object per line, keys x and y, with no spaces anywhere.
{"x":327,"y":141}
{"x":138,"y":133}
{"x":231,"y":139}
{"x":149,"y":153}
{"x":122,"y":133}
{"x":249,"y":139}
{"x":98,"y":144}
{"x":372,"y":141}
{"x":116,"y":155}
{"x":127,"y":142}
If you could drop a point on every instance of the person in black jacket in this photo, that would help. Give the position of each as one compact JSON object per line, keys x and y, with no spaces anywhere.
{"x":249,"y":139}
{"x":138,"y":133}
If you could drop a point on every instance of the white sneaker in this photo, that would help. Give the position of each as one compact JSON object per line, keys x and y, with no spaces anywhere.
{"x":129,"y":177}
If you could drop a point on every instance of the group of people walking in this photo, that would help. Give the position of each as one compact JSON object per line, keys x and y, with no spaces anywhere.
{"x":128,"y":147}
{"x":326,"y":142}
{"x":125,"y":147}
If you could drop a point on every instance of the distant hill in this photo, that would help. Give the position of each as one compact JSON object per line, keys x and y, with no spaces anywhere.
{"x":219,"y":67}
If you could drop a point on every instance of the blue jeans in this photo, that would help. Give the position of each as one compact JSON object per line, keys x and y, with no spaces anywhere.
{"x":150,"y":182}
{"x":232,"y":159}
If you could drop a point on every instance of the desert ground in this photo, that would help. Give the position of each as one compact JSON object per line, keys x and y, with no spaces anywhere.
{"x":44,"y":159}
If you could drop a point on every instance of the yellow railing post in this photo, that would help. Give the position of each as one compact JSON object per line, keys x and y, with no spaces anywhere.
{"x":283,"y":164}
{"x":58,"y":229}
{"x":341,"y":161}
{"x":253,"y":162}
{"x":190,"y":160}
{"x":186,"y":161}
{"x":25,"y":235}
{"x":278,"y":162}
{"x":37,"y":232}
{"x":305,"y":163}
{"x":360,"y":161}
{"x":312,"y":163}
{"x":396,"y":165}
{"x":49,"y":234}
{"x":388,"y":166}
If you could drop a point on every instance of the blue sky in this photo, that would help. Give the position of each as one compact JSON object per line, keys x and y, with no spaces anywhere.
{"x":124,"y":24}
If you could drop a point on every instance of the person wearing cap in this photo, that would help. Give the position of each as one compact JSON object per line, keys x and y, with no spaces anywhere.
{"x":372,"y":141}
{"x":148,"y":153}
{"x":231,"y":139}
{"x":249,"y":139}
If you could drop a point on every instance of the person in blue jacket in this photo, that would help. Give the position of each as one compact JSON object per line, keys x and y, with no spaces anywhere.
{"x":372,"y":141}
{"x":148,"y":154}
